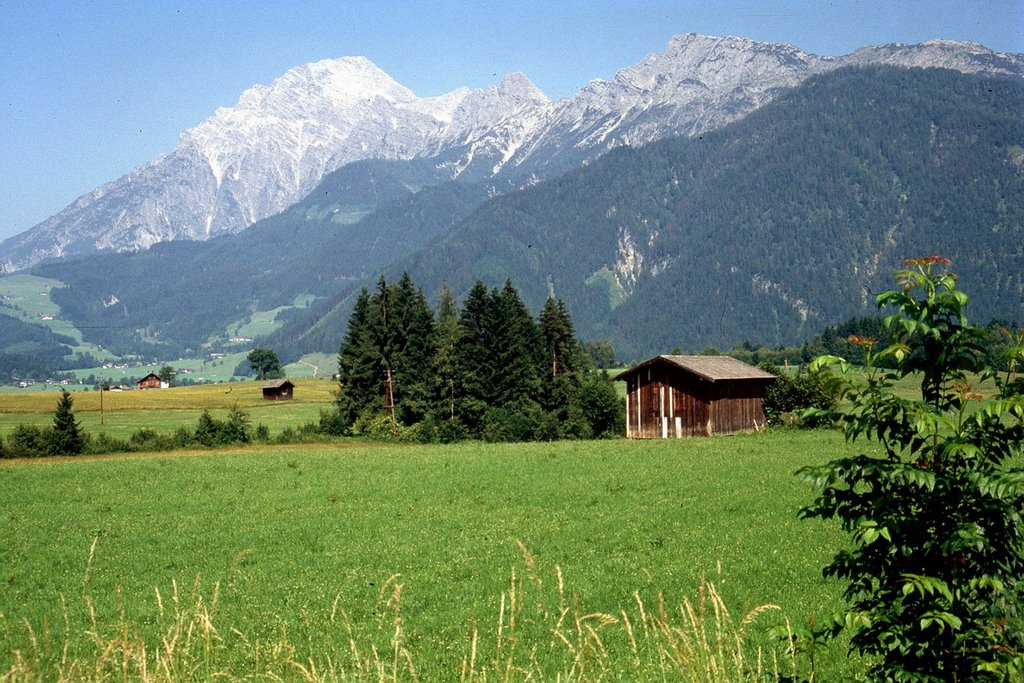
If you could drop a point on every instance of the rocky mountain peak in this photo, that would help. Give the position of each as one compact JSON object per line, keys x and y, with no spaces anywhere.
{"x":264,"y":154}
{"x":960,"y":55}
{"x":517,"y":86}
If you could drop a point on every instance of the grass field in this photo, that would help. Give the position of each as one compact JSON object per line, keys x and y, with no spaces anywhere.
{"x":166,"y":409}
{"x":292,"y":543}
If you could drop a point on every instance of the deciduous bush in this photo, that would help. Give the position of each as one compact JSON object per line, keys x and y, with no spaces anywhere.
{"x":522,"y":420}
{"x":604,"y":409}
{"x":934,"y":571}
{"x":789,"y":396}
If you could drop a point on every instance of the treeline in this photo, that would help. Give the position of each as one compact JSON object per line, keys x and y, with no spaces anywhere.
{"x":1000,"y":337}
{"x":67,"y":437}
{"x":486,"y":370}
{"x":30,"y":350}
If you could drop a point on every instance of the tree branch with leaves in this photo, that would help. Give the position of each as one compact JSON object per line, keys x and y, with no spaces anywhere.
{"x":933,"y":573}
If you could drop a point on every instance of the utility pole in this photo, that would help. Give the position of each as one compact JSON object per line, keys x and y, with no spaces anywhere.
{"x":391,"y":403}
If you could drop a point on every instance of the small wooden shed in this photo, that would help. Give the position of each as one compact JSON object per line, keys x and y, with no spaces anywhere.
{"x":151,"y":381}
{"x":676,"y":396}
{"x":278,"y":390}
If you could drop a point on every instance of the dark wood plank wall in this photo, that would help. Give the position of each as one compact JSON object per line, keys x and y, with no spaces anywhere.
{"x":664,"y":401}
{"x":737,"y":406}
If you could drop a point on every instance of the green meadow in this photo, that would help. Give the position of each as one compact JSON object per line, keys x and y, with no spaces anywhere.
{"x":166,"y":409}
{"x":581,"y":560}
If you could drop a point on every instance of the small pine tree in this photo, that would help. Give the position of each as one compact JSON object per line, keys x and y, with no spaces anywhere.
{"x":207,"y":429}
{"x":67,"y":437}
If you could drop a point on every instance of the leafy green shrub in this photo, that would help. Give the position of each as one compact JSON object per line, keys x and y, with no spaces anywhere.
{"x":378,"y":427}
{"x":147,"y":439}
{"x":574,"y":423}
{"x":935,"y":572}
{"x":104,"y":443}
{"x":521,"y":420}
{"x":333,"y":423}
{"x":436,"y":430}
{"x":602,"y":406}
{"x":789,"y":396}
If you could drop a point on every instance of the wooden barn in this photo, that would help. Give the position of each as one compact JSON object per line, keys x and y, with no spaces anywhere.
{"x":676,"y":396}
{"x":278,"y":390}
{"x":151,"y":381}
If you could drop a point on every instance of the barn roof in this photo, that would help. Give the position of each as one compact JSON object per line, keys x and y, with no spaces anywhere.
{"x":711,"y":368}
{"x":277,"y":383}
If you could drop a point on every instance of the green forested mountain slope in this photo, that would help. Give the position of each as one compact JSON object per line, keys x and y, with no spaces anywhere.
{"x":765,"y":230}
{"x":179,"y":294}
{"x":774,"y":226}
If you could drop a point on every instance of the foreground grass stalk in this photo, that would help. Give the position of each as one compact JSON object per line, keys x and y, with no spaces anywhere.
{"x":538,"y":636}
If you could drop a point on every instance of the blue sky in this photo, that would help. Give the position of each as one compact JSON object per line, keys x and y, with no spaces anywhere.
{"x":90,"y":90}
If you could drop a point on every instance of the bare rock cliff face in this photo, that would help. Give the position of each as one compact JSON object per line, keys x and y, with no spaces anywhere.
{"x":267,"y":152}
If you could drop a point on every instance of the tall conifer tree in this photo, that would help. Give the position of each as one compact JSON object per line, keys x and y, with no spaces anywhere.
{"x":446,"y":341}
{"x":563,"y":358}
{"x":412,"y":351}
{"x":473,"y":355}
{"x":359,"y":362}
{"x":517,"y":349}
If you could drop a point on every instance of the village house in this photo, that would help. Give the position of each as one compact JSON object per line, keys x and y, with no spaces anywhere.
{"x":152,"y":381}
{"x":676,"y":396}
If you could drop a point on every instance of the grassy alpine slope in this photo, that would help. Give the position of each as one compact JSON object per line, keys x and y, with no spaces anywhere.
{"x":334,"y":559}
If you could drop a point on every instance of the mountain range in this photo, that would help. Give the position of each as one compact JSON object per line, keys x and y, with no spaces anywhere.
{"x":254,"y":160}
{"x":719,"y":191}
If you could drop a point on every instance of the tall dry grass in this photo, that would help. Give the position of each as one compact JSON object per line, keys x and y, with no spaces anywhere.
{"x":541,"y":632}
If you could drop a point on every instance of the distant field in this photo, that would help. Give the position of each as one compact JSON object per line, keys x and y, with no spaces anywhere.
{"x":418,"y":541}
{"x":260,"y":323}
{"x":166,"y":409}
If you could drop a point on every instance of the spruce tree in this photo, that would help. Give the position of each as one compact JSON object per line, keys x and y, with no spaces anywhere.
{"x":66,"y":437}
{"x":385,"y":359}
{"x":517,"y":350}
{"x":446,"y":341}
{"x":359,"y":363}
{"x":563,"y":357}
{"x":473,"y":362}
{"x":412,"y":349}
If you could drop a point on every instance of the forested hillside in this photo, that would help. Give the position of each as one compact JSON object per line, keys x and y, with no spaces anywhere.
{"x":766,"y":230}
{"x":28,"y":350}
{"x":772,"y":227}
{"x":179,"y":295}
